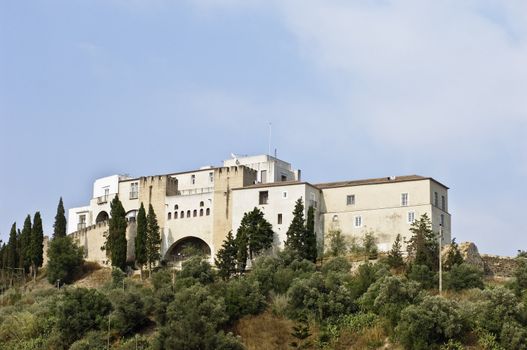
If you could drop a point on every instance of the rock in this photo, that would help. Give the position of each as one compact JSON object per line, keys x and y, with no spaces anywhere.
{"x":470,"y":254}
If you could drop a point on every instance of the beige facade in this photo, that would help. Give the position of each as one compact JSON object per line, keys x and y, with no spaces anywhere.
{"x":200,"y":207}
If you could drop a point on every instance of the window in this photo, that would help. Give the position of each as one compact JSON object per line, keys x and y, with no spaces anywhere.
{"x":201,"y":212}
{"x":134,"y":190}
{"x":443,"y":203}
{"x":169,"y":215}
{"x":176,"y":207}
{"x":82,"y":222}
{"x":195,"y":213}
{"x":443,"y":220}
{"x":279,"y":219}
{"x":175,"y":215}
{"x":201,"y":204}
{"x":106,"y":194}
{"x":263,"y":176}
{"x":313,"y":202}
{"x":182,"y":214}
{"x":188,"y":213}
{"x":284,"y":194}
{"x":193,"y":179}
{"x":404,"y":199}
{"x":263,"y":197}
{"x":335,"y":218}
{"x":350,"y":199}
{"x":211,"y":177}
{"x":358,"y":221}
{"x":283,"y":177}
{"x":207,"y":211}
{"x":436,"y":199}
{"x":411,"y":217}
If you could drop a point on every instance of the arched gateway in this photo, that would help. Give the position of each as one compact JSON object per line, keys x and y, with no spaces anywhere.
{"x":186,"y":247}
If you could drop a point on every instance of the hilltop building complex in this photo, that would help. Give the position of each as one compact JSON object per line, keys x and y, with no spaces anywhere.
{"x":200,"y":207}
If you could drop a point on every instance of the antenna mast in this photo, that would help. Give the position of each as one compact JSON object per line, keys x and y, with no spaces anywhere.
{"x":269,"y":144}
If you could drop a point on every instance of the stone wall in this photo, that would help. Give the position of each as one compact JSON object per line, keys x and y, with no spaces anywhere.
{"x":499,"y":266}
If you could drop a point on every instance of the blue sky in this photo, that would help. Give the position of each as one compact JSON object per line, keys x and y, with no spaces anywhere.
{"x":353,"y":89}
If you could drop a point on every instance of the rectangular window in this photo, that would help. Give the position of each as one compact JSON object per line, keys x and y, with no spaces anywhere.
{"x":350,"y":199}
{"x":263,"y":176}
{"x":279,"y":219}
{"x":443,"y":220}
{"x":82,"y":222}
{"x":284,"y":195}
{"x":283,"y":177}
{"x":312,"y":201}
{"x":193,"y":179}
{"x":436,"y":199}
{"x":263,"y":197}
{"x":211,"y":177}
{"x":106,"y":194}
{"x":443,"y":203}
{"x":404,"y":199}
{"x":358,"y":221}
{"x":134,"y":190}
{"x":411,"y":217}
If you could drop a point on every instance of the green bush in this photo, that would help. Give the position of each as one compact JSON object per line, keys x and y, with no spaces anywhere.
{"x":423,"y":275}
{"x":433,"y":321}
{"x":94,"y":340}
{"x":337,"y":264}
{"x":65,"y":260}
{"x":365,"y":276}
{"x":78,"y":311}
{"x":358,"y":322}
{"x":520,"y":276}
{"x":497,"y":306}
{"x":463,"y":276}
{"x":195,"y":270}
{"x":242,"y":297}
{"x":389,"y":295}
{"x":513,"y":336}
{"x":129,"y":312}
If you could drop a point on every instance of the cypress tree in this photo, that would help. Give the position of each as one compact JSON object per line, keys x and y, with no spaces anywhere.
{"x":59,"y":227}
{"x":423,"y":245}
{"x":296,"y":233}
{"x":12,"y":253}
{"x":25,"y":245}
{"x":454,"y":256}
{"x":116,"y":242}
{"x":395,"y":256}
{"x":153,"y":239}
{"x":242,"y":245}
{"x":226,"y":257}
{"x":258,"y":232}
{"x":37,"y":244}
{"x":140,"y":239}
{"x":311,"y":236}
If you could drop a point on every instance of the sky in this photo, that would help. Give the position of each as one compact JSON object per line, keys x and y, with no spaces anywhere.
{"x":353,"y":90}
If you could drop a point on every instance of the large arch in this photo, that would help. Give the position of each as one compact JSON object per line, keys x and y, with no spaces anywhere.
{"x":102,"y":216}
{"x":186,"y":247}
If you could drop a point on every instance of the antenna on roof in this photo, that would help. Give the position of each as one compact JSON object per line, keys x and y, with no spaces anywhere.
{"x":269,"y":149}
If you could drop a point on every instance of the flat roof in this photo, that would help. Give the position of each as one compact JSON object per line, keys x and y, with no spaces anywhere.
{"x":376,"y":181}
{"x":276,"y":184}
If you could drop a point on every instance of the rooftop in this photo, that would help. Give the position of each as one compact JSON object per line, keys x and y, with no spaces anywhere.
{"x":376,"y":181}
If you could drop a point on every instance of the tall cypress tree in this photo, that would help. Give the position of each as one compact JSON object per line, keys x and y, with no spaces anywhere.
{"x":256,"y":231}
{"x":116,"y":242}
{"x":226,"y":257}
{"x":25,"y":245}
{"x":242,"y":245}
{"x":59,"y":227}
{"x":37,"y":244}
{"x":153,"y":239}
{"x":296,"y":233}
{"x":12,"y":245}
{"x":311,"y":236}
{"x":140,"y":239}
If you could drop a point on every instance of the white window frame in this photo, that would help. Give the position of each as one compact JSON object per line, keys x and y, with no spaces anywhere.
{"x":405,"y":198}
{"x":357,"y":219}
{"x":412,"y":214}
{"x":350,"y":199}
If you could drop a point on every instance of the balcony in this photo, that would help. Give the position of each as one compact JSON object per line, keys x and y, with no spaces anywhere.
{"x":194,"y":191}
{"x":102,"y":199}
{"x":134,"y":195}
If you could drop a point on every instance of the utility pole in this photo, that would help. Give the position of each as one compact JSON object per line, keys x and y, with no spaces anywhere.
{"x":109,"y":315}
{"x":440,"y":264}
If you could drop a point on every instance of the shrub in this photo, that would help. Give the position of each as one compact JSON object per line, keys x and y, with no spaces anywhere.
{"x":129,"y":312}
{"x":358,"y":322}
{"x":452,"y":345}
{"x":195,"y":270}
{"x":279,"y":303}
{"x":337,"y":243}
{"x":94,"y":340}
{"x":389,"y":295}
{"x":64,"y":260}
{"x":365,"y":276}
{"x":463,"y":276}
{"x":338,"y":264}
{"x":242,"y":297}
{"x":513,"y":336}
{"x":488,"y":340}
{"x":520,"y":276}
{"x":433,"y":321}
{"x":423,"y":275}
{"x":498,"y":305}
{"x":79,"y":311}
{"x":369,"y":241}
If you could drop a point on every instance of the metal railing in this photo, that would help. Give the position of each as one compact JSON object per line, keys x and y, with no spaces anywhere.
{"x":134,"y":195}
{"x":102,"y":199}
{"x":193,"y":191}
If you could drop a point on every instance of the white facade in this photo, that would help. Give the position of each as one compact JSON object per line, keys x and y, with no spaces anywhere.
{"x":269,"y":169}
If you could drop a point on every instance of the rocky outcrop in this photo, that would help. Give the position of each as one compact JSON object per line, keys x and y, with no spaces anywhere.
{"x":470,"y":254}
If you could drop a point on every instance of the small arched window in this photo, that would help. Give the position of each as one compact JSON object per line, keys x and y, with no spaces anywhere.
{"x":335,"y":218}
{"x":169,"y":216}
{"x":182,"y":214}
{"x":175,"y":215}
{"x":207,"y":212}
{"x":176,"y":207}
{"x":201,"y":212}
{"x":195,"y":213}
{"x":188,"y":213}
{"x":201,"y":204}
